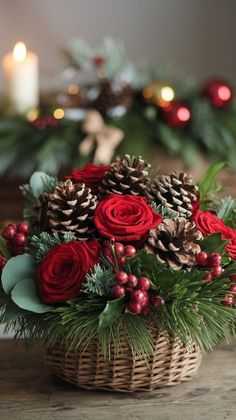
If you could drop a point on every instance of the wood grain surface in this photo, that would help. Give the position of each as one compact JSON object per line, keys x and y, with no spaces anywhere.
{"x":28,"y":392}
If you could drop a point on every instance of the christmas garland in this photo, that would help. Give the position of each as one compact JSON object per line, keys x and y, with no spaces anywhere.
{"x":108,"y":250}
{"x":152,"y":108}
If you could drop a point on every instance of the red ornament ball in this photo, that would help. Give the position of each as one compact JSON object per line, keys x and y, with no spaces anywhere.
{"x":233,"y":277}
{"x":157,"y":301}
{"x":217,"y":271}
{"x":218,"y":92}
{"x":176,"y":114}
{"x":208,"y":277}
{"x":2,"y":263}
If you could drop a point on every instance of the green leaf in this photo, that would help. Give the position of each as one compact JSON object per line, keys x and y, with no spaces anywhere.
{"x":39,"y":182}
{"x":17,"y":269}
{"x":112,"y":312}
{"x":208,"y":178}
{"x":25,"y":296}
{"x":214,"y":243}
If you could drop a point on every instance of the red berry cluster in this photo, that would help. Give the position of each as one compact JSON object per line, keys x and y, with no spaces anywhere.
{"x":212,"y":261}
{"x":2,"y":263}
{"x":16,"y":237}
{"x":117,"y":253}
{"x":136,"y":290}
{"x":46,"y":121}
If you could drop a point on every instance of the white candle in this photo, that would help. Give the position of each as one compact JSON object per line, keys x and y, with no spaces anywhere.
{"x":21,"y":80}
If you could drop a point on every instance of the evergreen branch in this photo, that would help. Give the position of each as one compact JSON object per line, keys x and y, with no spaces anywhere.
{"x":41,"y":244}
{"x":164,"y":211}
{"x":99,"y":281}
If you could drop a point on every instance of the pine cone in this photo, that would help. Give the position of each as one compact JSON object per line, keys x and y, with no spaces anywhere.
{"x":174,"y":191}
{"x":126,"y":176}
{"x":114,"y":93}
{"x":71,"y":208}
{"x":174,"y":242}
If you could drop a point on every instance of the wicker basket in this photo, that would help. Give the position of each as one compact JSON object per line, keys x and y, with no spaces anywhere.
{"x":170,"y":364}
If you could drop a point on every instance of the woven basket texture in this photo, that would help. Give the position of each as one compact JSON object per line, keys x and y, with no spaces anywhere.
{"x":170,"y":364}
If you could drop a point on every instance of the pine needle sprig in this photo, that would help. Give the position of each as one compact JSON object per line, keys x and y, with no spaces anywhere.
{"x":99,"y":281}
{"x":41,"y":244}
{"x":164,"y":211}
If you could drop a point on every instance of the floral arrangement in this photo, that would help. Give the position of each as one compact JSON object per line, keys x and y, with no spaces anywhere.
{"x":111,"y":249}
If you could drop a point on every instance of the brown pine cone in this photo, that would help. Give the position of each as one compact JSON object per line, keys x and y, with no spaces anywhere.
{"x":126,"y":176}
{"x":175,"y":242}
{"x":174,"y":191}
{"x":71,"y":209}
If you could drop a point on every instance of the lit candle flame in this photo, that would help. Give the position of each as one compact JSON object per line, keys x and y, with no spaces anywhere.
{"x":19,"y":52}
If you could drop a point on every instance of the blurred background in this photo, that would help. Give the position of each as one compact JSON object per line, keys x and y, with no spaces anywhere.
{"x":195,"y":38}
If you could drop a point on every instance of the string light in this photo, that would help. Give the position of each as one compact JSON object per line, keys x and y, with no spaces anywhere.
{"x":167,"y":94}
{"x":32,"y":114}
{"x":59,"y":113}
{"x":183,"y":114}
{"x":224,"y":93}
{"x":73,"y":89}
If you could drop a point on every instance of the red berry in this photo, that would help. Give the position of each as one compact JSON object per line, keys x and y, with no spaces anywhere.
{"x":233,"y":288}
{"x":228,"y":301}
{"x":118,"y":291}
{"x":134,"y":307}
{"x":233,"y":277}
{"x":157,"y":301}
{"x":132,"y":280}
{"x":137,"y":296}
{"x":119,"y":248}
{"x":19,"y":239}
{"x":23,"y":227}
{"x":208,"y":277}
{"x":145,"y":300}
{"x":214,"y":259}
{"x":202,"y":258}
{"x":9,"y":232}
{"x":129,"y":251}
{"x":121,"y":277}
{"x":217,"y":271}
{"x":121,"y":261}
{"x":144,"y":283}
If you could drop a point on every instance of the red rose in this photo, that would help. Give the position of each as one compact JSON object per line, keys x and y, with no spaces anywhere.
{"x":125,"y":217}
{"x":208,"y":223}
{"x":90,"y":174}
{"x":63,"y":270}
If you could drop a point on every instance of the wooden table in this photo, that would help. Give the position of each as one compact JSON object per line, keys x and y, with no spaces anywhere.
{"x":28,"y":392}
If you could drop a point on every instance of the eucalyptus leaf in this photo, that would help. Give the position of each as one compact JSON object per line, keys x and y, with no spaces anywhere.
{"x":37,"y":183}
{"x":112,"y":312}
{"x":17,"y":269}
{"x":208,"y":178}
{"x":25,"y":296}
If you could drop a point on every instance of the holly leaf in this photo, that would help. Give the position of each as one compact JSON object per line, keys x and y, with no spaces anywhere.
{"x":25,"y":296}
{"x":112,"y":311}
{"x":17,"y":269}
{"x":208,"y":178}
{"x":214,"y":243}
